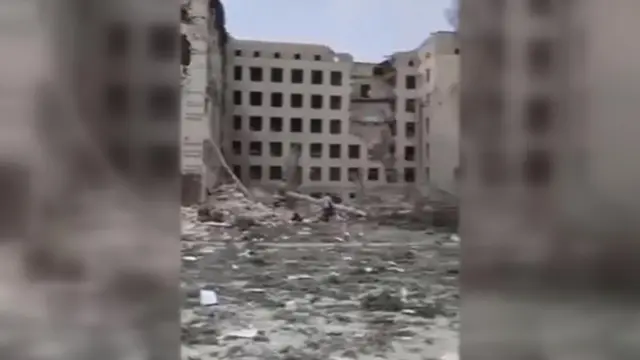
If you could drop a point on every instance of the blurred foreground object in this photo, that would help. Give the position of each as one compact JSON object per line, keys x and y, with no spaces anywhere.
{"x":89,"y":171}
{"x":551,"y":186}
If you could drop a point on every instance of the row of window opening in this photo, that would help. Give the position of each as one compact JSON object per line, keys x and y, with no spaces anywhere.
{"x":276,"y":55}
{"x":316,"y":150}
{"x":316,"y":126}
{"x":297,"y":76}
{"x":256,"y":173}
{"x":296,"y":101}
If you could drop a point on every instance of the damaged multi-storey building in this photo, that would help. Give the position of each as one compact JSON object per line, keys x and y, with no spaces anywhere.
{"x":204,"y":41}
{"x":349,"y":128}
{"x":312,"y":118}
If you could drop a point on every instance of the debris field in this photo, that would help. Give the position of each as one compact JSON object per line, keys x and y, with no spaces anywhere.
{"x":257,"y":286}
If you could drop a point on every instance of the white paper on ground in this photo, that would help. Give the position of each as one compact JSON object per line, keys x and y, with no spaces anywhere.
{"x":208,"y":298}
{"x":244,"y":333}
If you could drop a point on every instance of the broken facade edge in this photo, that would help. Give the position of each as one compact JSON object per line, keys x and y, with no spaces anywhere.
{"x":203,"y":104}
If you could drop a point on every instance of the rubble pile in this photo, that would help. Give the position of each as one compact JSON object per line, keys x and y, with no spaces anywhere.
{"x":274,"y":289}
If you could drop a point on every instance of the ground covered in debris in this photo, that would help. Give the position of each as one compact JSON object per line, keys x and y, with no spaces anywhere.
{"x":314,"y":291}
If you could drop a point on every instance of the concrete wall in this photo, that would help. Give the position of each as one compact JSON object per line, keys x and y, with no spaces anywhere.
{"x":195,"y":127}
{"x":440,"y":75}
{"x":203,"y":111}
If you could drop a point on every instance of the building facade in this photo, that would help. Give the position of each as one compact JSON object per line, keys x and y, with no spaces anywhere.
{"x":439,"y":97}
{"x":204,"y":40}
{"x":355,"y":124}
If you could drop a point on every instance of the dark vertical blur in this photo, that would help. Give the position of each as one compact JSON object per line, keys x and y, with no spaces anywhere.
{"x":89,"y":210}
{"x":549,"y":131}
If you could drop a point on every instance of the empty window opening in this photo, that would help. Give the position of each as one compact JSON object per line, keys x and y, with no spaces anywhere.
{"x":354,"y":151}
{"x":410,"y":175}
{"x":297,"y":76}
{"x":336,"y":78}
{"x":275,"y":173}
{"x":236,"y":147}
{"x":255,"y":74}
{"x":238,"y":52}
{"x":410,"y":129}
{"x":315,"y":173}
{"x":256,"y":54}
{"x":295,"y":148}
{"x":316,"y":126}
{"x":353,"y":174}
{"x":275,"y":149}
{"x":277,"y":100}
{"x":335,"y":102}
{"x":335,"y":151}
{"x":255,"y":172}
{"x":255,"y":148}
{"x":277,"y":75}
{"x":365,"y":91}
{"x":255,"y":123}
{"x":275,"y":124}
{"x":316,"y":101}
{"x":237,"y":97}
{"x":335,"y":174}
{"x":410,"y":105}
{"x":255,"y":98}
{"x":316,"y":77}
{"x":410,"y":82}
{"x":296,"y":125}
{"x":315,"y":150}
{"x":237,"y":73}
{"x":185,"y":51}
{"x":335,"y":126}
{"x":296,"y":101}
{"x":317,"y":57}
{"x":409,"y":153}
{"x":276,"y":55}
{"x":296,"y":56}
{"x":373,"y":174}
{"x":237,"y":171}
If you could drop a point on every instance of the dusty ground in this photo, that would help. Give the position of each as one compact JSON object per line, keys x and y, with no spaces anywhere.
{"x":312,"y":292}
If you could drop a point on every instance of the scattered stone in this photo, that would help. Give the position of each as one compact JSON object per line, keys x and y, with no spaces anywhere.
{"x":244,"y":222}
{"x":382,"y":301}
